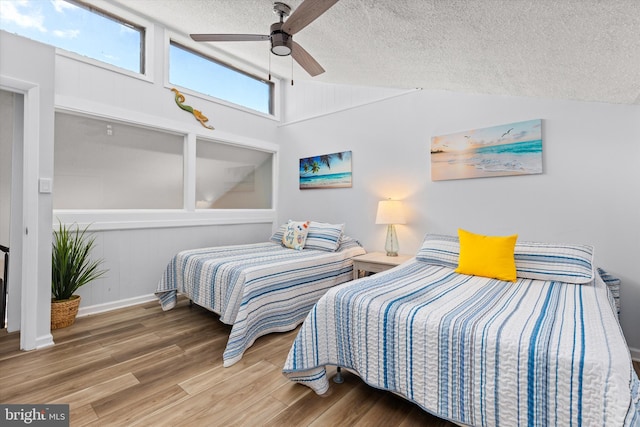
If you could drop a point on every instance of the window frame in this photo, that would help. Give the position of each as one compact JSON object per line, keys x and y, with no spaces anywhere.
{"x":180,"y":138}
{"x":211,"y":53}
{"x":126,"y":22}
{"x":193,"y":203}
{"x":111,"y":11}
{"x":188,"y":215}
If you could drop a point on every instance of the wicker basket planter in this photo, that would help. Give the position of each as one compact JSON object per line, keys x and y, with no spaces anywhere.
{"x":63,"y":312}
{"x":71,"y":268}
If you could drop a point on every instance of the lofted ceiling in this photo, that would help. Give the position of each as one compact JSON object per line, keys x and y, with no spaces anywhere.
{"x":586,"y":50}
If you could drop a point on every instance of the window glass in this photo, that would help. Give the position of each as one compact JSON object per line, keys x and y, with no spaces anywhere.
{"x":100,"y":164}
{"x":77,"y":28}
{"x":210,"y":77}
{"x":230,"y":177}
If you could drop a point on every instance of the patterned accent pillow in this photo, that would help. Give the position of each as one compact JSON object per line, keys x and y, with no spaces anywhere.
{"x":324,"y":236}
{"x":295,"y":234}
{"x":542,"y":261}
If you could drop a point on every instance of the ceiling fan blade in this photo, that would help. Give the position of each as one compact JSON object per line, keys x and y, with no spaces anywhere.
{"x":305,"y":60}
{"x":228,"y":37}
{"x":305,"y":14}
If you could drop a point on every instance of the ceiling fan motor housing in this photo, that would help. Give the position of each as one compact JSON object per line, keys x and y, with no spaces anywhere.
{"x":280,"y":41}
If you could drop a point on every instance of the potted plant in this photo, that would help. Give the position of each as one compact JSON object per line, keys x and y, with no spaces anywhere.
{"x":71,"y":268}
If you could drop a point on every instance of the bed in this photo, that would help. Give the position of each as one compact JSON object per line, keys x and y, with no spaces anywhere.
{"x":262,"y":287}
{"x":546,"y":349}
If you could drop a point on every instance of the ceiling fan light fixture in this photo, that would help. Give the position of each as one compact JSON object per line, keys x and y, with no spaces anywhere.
{"x":281,"y":49}
{"x":280,"y":41}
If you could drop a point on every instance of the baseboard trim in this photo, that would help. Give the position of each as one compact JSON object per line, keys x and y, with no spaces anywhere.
{"x":635,"y":354}
{"x":44,"y":341}
{"x":114,"y":305}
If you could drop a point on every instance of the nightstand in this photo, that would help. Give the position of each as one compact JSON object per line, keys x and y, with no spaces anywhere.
{"x":375,"y":262}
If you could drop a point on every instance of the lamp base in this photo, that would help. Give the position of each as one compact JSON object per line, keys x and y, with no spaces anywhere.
{"x":391,"y":245}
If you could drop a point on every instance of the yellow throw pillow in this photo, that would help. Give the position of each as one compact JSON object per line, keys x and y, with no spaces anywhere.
{"x":487,"y":256}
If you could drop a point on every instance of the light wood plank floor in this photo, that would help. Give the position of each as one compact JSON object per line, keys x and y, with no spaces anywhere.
{"x":141,"y":366}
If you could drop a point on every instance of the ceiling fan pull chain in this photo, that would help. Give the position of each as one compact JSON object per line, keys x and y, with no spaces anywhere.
{"x":269,"y":54}
{"x":291,"y":71}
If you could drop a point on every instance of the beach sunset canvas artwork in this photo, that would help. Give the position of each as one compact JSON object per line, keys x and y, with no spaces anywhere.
{"x":511,"y":149}
{"x":326,"y":171}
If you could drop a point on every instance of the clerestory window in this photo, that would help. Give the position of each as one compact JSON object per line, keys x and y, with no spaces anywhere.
{"x":198,"y":72}
{"x":78,"y":28}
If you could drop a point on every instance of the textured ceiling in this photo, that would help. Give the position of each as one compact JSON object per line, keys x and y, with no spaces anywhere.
{"x":560,"y":49}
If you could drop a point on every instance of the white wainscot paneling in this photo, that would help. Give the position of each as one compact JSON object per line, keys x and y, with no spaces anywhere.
{"x":137,"y":258}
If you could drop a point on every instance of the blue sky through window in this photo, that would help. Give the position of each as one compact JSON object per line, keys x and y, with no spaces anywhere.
{"x":67,"y":26}
{"x":196,"y":72}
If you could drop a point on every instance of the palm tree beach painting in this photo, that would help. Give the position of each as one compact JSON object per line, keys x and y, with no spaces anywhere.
{"x":326,"y":171}
{"x":511,"y":149}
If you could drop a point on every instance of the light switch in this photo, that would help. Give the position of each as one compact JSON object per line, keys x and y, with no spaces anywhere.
{"x":46,"y":185}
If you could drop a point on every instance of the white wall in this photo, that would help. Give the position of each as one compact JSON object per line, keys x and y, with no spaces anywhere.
{"x":587,"y":194}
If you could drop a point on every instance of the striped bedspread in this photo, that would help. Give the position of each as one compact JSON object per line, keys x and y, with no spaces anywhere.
{"x":258,"y":288}
{"x":476,"y":351}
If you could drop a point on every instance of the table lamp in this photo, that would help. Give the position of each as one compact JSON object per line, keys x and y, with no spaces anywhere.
{"x":390,"y":212}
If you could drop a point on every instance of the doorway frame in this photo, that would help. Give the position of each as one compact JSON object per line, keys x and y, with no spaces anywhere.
{"x":24,"y":261}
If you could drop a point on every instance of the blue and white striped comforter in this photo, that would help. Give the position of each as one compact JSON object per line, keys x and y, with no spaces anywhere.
{"x":258,"y":288}
{"x":473,"y":350}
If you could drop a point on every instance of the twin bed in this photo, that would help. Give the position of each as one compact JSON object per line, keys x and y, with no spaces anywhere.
{"x":546,"y":349}
{"x":262,"y":287}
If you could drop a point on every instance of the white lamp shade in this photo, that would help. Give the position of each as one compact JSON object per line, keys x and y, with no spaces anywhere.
{"x":390,"y":212}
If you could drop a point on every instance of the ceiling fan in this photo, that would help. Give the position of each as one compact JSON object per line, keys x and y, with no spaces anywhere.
{"x":281,"y":34}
